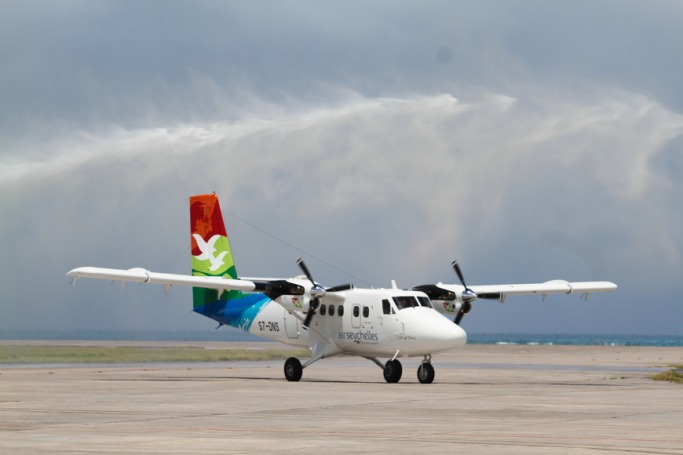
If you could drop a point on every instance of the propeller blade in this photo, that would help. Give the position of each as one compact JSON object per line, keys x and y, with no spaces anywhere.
{"x":456,"y":267}
{"x":311,"y":312}
{"x":468,"y":295}
{"x":465,"y":308}
{"x":458,"y":317}
{"x":302,"y":265}
{"x":316,"y":292}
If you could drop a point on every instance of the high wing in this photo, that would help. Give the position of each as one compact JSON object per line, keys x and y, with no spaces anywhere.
{"x":453,"y":298}
{"x":457,"y":299}
{"x":140,"y":275}
{"x":441,"y":291}
{"x":500,"y":291}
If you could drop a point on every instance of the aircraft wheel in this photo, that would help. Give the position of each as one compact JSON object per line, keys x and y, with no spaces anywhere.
{"x":393,"y":371}
{"x":293,"y":369}
{"x":425,"y":373}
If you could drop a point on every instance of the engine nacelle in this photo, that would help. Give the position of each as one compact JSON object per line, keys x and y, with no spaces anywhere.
{"x":293,"y":303}
{"x":446,"y":306}
{"x":451,"y":306}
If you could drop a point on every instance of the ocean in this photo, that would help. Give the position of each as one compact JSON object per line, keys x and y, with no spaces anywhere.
{"x":235,"y":335}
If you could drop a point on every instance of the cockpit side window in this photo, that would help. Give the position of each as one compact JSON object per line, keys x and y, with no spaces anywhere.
{"x":386,"y":307}
{"x":424,"y":301}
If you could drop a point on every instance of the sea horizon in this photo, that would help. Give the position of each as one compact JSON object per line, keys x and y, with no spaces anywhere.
{"x":530,"y":339}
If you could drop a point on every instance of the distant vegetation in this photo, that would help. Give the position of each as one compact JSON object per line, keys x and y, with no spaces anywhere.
{"x":137,"y":354}
{"x":673,"y":375}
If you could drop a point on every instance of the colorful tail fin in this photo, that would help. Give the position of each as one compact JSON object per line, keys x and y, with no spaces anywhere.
{"x":212,"y":256}
{"x":211,"y":253}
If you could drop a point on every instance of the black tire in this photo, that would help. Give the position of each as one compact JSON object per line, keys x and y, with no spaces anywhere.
{"x":425,"y":373}
{"x":393,"y":371}
{"x":293,"y":369}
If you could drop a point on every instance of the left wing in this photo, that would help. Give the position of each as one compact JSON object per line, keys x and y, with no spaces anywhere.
{"x":441,"y":291}
{"x":454,"y":298}
{"x":500,"y":291}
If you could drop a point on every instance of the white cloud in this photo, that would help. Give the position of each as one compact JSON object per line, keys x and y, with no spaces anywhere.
{"x":383,"y":187}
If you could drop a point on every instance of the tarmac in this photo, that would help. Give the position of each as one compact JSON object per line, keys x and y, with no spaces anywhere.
{"x":485,"y":399}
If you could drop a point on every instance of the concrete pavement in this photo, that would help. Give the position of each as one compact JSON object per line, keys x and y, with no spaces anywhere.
{"x":485,"y":399}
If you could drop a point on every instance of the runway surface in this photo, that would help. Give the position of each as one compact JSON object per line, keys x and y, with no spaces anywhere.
{"x":485,"y":399}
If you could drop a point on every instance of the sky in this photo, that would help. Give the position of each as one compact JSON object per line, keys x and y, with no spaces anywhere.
{"x":380,"y":140}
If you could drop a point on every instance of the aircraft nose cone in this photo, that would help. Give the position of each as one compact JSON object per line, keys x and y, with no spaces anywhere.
{"x":444,"y":334}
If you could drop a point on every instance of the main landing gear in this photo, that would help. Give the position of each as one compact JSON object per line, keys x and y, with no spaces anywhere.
{"x":293,"y":369}
{"x":392,"y":370}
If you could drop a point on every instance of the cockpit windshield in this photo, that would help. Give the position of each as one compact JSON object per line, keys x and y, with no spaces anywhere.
{"x":409,"y":301}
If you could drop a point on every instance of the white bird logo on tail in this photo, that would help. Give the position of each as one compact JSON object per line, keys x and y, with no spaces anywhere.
{"x":208,"y":250}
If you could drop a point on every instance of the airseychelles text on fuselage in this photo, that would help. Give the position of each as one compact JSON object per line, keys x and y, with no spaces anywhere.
{"x":367,"y":336}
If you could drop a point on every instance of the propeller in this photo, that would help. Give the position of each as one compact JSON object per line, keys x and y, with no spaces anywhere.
{"x":317,"y":291}
{"x":468,"y":295}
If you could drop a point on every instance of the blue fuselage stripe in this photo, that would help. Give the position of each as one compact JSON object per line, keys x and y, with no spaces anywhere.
{"x":239,"y":313}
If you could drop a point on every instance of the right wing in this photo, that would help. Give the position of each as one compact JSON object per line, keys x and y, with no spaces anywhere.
{"x":140,"y":275}
{"x":273,"y":288}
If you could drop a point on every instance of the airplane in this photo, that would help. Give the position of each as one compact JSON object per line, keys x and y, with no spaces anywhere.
{"x":371,"y":323}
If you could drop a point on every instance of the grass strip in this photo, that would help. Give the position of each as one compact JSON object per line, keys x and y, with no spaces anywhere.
{"x":137,"y":354}
{"x":673,"y":375}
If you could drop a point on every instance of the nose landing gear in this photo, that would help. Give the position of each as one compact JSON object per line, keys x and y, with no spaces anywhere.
{"x":425,"y":373}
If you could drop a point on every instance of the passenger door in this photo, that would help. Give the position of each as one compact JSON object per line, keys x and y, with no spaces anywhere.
{"x":356,"y":316}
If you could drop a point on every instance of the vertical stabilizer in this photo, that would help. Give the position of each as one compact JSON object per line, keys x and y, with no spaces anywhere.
{"x":211,"y":253}
{"x":212,"y":256}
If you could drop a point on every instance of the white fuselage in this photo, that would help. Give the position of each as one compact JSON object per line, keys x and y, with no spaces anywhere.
{"x":365,"y":322}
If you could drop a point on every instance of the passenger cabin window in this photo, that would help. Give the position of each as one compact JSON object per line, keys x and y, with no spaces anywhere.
{"x":340,"y":310}
{"x":331,"y":312}
{"x":323,"y":309}
{"x":366,"y":312}
{"x":356,"y":311}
